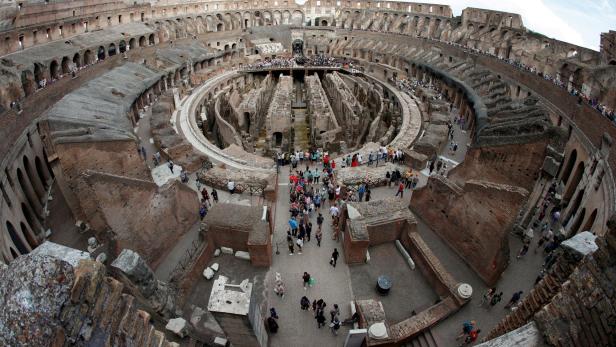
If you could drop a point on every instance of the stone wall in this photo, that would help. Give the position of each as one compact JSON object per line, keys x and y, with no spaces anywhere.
{"x":279,"y":113}
{"x":475,"y":220}
{"x":68,"y":306}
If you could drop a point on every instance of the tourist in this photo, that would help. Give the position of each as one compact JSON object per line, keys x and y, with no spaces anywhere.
{"x":335,"y":325}
{"x":143,"y":153}
{"x":279,"y":286}
{"x":215,"y":195}
{"x":487,"y":297}
{"x":290,"y":244}
{"x":368,"y":193}
{"x":202,"y":211}
{"x":231,"y":186}
{"x":546,"y":236}
{"x":155,"y":160}
{"x":170,"y":164}
{"x":308,"y":231}
{"x":361,"y":191}
{"x":273,"y":313}
{"x":334,"y":258}
{"x":304,"y":303}
{"x":400,"y":190}
{"x":496,"y":299}
{"x":205,"y":196}
{"x":300,"y":244}
{"x":320,"y":317}
{"x":319,"y":236}
{"x":272,"y":325}
{"x":334,"y":211}
{"x":524,"y":248}
{"x":471,"y":337}
{"x":306,"y":278}
{"x":334,"y":313}
{"x":467,"y":327}
{"x":293,"y":225}
{"x":514,"y":299}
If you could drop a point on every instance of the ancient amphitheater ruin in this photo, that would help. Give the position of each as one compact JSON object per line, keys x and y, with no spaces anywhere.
{"x":235,"y":173}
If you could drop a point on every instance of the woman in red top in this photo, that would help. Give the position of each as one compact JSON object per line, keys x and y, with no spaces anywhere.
{"x":333,"y":164}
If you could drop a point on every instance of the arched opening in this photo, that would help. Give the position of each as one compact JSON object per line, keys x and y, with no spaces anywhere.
{"x":219,"y":27}
{"x":122,"y":46}
{"x":226,"y":48}
{"x":101,"y":53}
{"x":54,"y":69}
{"x":277,"y":139}
{"x":16,"y":239}
{"x":234,"y":46}
{"x":39,"y":171}
{"x":578,"y":222}
{"x":132,"y":43}
{"x":14,"y":253}
{"x":247,"y":121}
{"x":612,"y":62}
{"x":28,"y":83}
{"x":38,"y":73}
{"x":65,"y":65}
{"x":151,"y":39}
{"x":574,"y":208}
{"x":569,"y":167}
{"x":77,"y":60}
{"x":323,"y":23}
{"x":24,"y":187}
{"x":28,"y":235}
{"x":572,"y":185}
{"x":142,"y":41}
{"x":87,"y":57}
{"x":34,"y":182}
{"x":112,"y":50}
{"x":591,"y":221}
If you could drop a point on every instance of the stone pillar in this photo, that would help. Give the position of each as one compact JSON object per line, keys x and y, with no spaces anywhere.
{"x":141,"y":279}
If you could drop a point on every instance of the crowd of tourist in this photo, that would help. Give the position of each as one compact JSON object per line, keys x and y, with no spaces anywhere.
{"x":320,"y":60}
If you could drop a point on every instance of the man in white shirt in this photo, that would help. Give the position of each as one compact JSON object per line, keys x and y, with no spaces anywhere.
{"x":231,"y":187}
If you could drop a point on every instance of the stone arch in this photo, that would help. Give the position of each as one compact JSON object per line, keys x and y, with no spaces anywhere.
{"x":35,"y":183}
{"x":29,"y":194}
{"x":297,"y":18}
{"x":28,"y":236}
{"x":575,"y":228}
{"x":77,"y":60}
{"x":132,"y":43}
{"x":39,"y":74}
{"x":219,"y":27}
{"x":286,"y":17}
{"x":590,"y":222}
{"x":277,"y":139}
{"x":17,"y":241}
{"x":101,"y":54}
{"x":111,"y":51}
{"x":40,"y":171}
{"x":569,"y":167}
{"x":87,"y":57}
{"x":54,"y":69}
{"x":65,"y":65}
{"x":575,"y":180}
{"x":573,"y":209}
{"x":151,"y":39}
{"x":142,"y":41}
{"x":28,"y":83}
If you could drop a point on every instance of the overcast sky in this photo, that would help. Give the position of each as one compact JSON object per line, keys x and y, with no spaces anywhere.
{"x":575,"y":21}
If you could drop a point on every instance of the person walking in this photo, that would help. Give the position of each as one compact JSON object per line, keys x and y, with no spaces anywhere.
{"x":300,"y":244}
{"x":361,"y":191}
{"x":368,"y":193}
{"x":467,"y":327}
{"x":471,"y":337}
{"x":290,"y":244}
{"x":215,"y":195}
{"x":320,"y":317}
{"x":320,"y":221}
{"x":334,"y":258}
{"x":306,"y":278}
{"x":400,"y":190}
{"x":319,"y":237}
{"x":524,"y":248}
{"x":170,"y":164}
{"x":514,"y":299}
{"x":308,"y":231}
{"x":335,"y":325}
{"x":487,"y":297}
{"x":334,"y":313}
{"x":496,"y":298}
{"x":205,"y":196}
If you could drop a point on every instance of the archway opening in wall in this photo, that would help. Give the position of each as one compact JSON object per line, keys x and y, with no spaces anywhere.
{"x":54,"y":69}
{"x":38,"y":73}
{"x":122,"y":46}
{"x":575,"y":180}
{"x":23,"y":185}
{"x":578,"y":222}
{"x":219,"y":27}
{"x":28,"y":235}
{"x":31,"y":177}
{"x":112,"y":50}
{"x":14,"y":253}
{"x":277,"y":139}
{"x":39,"y":171}
{"x":569,"y":167}
{"x":227,"y":47}
{"x":65,"y":65}
{"x":132,"y":43}
{"x":28,"y":83}
{"x":234,"y":46}
{"x":612,"y":62}
{"x":21,"y":248}
{"x":87,"y":57}
{"x":247,"y":122}
{"x":245,"y":23}
{"x":573,"y":210}
{"x":323,"y":23}
{"x":142,"y":41}
{"x":101,"y":53}
{"x":77,"y":60}
{"x":590,"y":222}
{"x":151,"y":39}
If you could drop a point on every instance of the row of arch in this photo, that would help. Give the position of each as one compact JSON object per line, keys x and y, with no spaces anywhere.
{"x":24,"y":197}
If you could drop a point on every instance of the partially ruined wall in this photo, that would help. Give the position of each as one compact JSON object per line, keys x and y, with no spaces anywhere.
{"x":279,"y":112}
{"x":322,"y":119}
{"x":475,"y":220}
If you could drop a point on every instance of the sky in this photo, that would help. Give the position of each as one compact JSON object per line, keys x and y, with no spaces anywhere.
{"x":575,"y":21}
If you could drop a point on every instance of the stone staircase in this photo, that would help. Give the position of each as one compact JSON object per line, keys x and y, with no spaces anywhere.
{"x":424,"y":339}
{"x":301,"y":129}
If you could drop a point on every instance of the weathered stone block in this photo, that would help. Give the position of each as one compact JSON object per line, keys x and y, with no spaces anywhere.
{"x":178,"y":326}
{"x":226,"y":250}
{"x":242,"y":255}
{"x":208,"y":273}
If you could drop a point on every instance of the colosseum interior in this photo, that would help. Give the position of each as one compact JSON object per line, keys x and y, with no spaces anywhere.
{"x":184,"y":173}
